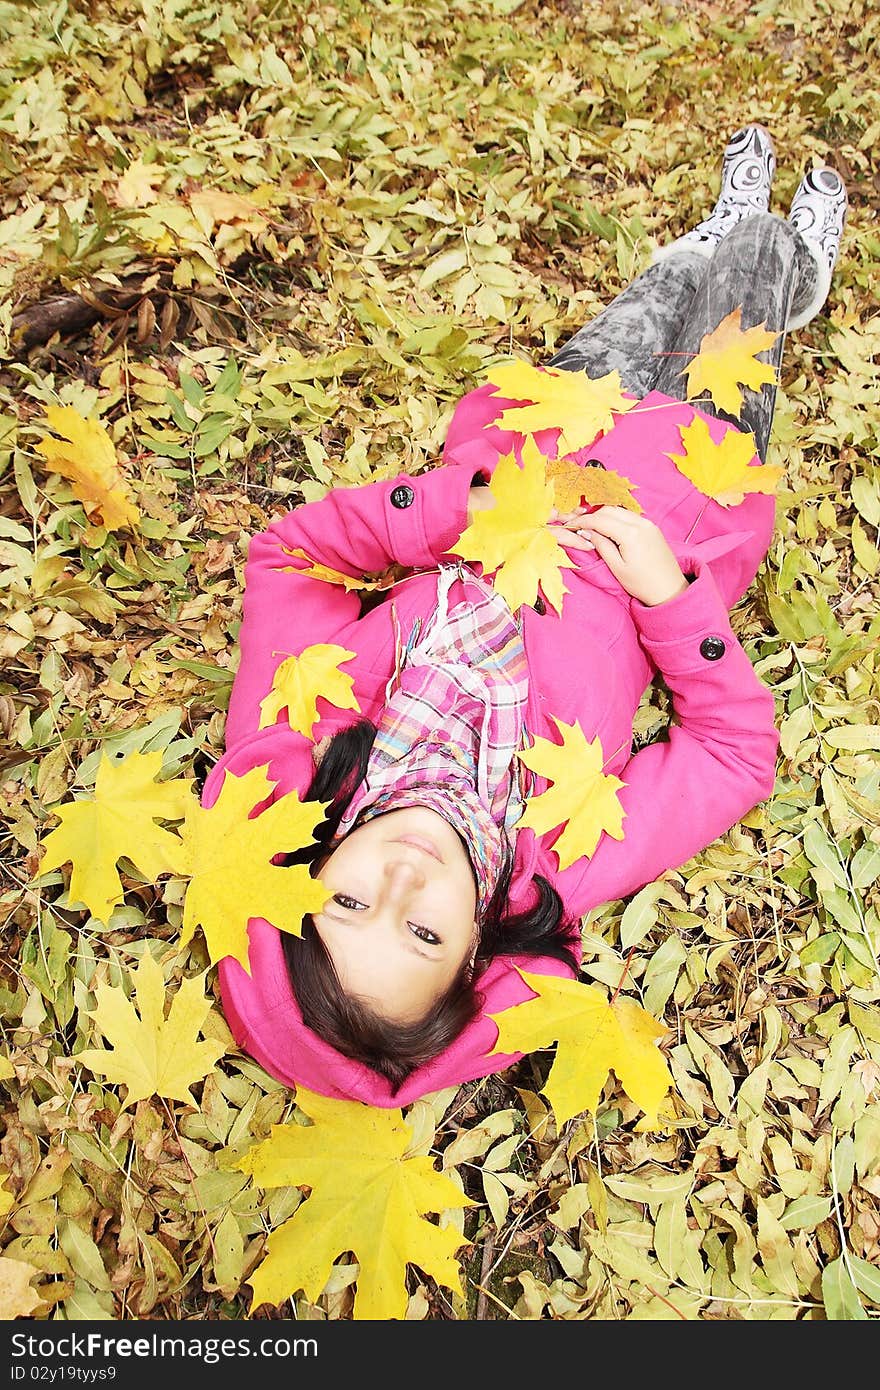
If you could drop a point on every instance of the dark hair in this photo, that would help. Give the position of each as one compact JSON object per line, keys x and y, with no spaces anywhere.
{"x":395,"y":1049}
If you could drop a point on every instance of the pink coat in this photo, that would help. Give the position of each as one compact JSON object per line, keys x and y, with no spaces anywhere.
{"x":592,"y":664}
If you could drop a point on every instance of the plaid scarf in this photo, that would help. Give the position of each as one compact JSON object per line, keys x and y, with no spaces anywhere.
{"x":452,"y":723}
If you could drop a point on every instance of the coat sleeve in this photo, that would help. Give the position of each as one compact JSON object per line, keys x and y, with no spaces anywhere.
{"x":718,"y":762}
{"x":358,"y":531}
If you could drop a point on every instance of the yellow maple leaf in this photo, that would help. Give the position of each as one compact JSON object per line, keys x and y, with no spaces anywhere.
{"x":17,"y":1298}
{"x":136,"y":188}
{"x":594,"y":1036}
{"x":722,"y":471}
{"x":300,"y":680}
{"x":87,"y":457}
{"x":228,"y":855}
{"x":513,"y":539}
{"x":583,"y":798}
{"x":6,"y":1198}
{"x":151,"y":1055}
{"x":118,"y":820}
{"x":366,"y":1196}
{"x":725,"y":357}
{"x":575,"y":485}
{"x":579,"y":406}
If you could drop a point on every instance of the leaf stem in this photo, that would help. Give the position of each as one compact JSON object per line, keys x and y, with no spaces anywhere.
{"x":626,"y":965}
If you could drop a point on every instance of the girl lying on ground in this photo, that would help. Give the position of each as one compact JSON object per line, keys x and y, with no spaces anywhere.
{"x":437,"y":897}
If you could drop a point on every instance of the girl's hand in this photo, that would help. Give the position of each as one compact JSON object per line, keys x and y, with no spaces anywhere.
{"x":634,"y":549}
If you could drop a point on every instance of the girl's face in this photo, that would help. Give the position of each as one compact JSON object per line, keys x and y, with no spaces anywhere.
{"x":402,"y":919}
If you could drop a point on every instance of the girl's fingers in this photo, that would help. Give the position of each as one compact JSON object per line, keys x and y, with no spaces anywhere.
{"x":575,"y":541}
{"x":617,"y":515}
{"x":570,"y":535}
{"x":617,"y":528}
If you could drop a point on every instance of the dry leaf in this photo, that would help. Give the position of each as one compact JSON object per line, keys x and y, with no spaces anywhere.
{"x":513,"y":539}
{"x":229,"y":857}
{"x":594,"y":1036}
{"x":152,"y":1055}
{"x":17,"y":1298}
{"x":727,"y":356}
{"x":118,"y":820}
{"x":300,"y":680}
{"x":579,"y":407}
{"x":136,"y":188}
{"x":722,"y":471}
{"x":575,"y":485}
{"x":366,"y":1197}
{"x":330,"y":576}
{"x":582,"y":798}
{"x":86,"y":456}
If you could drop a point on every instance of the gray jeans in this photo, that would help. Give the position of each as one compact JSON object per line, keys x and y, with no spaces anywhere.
{"x":651,"y":330}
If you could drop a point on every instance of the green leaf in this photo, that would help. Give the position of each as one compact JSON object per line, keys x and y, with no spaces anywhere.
{"x":661,"y":974}
{"x":228,"y":1247}
{"x":857,"y":738}
{"x":865,"y":866}
{"x":820,"y":950}
{"x":866,"y":1019}
{"x":229,"y":381}
{"x":820,"y":851}
{"x":442,"y":266}
{"x":840,"y":1295}
{"x":806,"y":1213}
{"x":639,"y":916}
{"x":178,"y":414}
{"x":193,"y":391}
{"x":27,"y":488}
{"x":83,"y":1254}
{"x":866,"y":1276}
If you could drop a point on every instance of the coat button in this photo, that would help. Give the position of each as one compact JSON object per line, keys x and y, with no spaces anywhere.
{"x":712,"y":648}
{"x":402,"y":496}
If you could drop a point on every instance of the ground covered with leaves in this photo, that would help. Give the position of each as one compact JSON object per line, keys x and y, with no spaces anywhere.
{"x":265,"y":248}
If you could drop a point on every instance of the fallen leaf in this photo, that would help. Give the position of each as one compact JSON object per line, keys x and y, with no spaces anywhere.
{"x":594,"y":1036}
{"x":214,"y":207}
{"x":152,"y":1055}
{"x":228,"y":857}
{"x":582,"y":798}
{"x":580,"y":407}
{"x":136,"y":188}
{"x":300,"y":680}
{"x":722,"y":471}
{"x":575,"y":485}
{"x":512,"y":539}
{"x":331,"y":576}
{"x":118,"y":820}
{"x":17,"y":1298}
{"x":366,"y":1197}
{"x":725,"y":357}
{"x":86,"y":455}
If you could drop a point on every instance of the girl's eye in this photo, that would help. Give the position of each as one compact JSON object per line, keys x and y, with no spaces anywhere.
{"x":353,"y":905}
{"x":424,"y":934}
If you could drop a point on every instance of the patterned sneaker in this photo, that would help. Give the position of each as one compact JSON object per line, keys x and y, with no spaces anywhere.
{"x":746,"y":177}
{"x":818,"y":211}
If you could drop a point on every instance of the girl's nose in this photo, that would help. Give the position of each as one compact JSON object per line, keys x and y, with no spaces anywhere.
{"x":404,"y":876}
